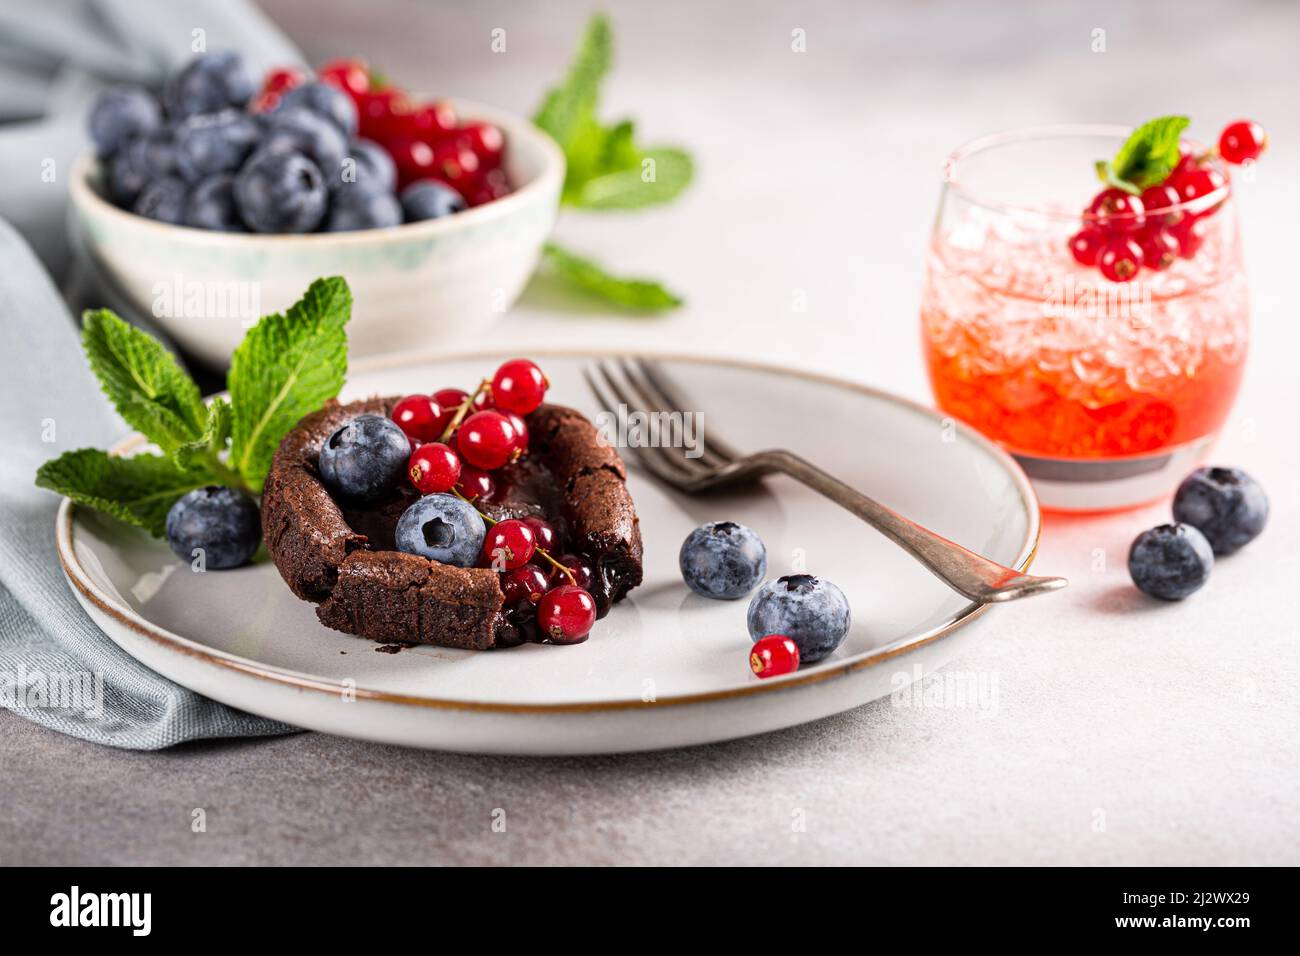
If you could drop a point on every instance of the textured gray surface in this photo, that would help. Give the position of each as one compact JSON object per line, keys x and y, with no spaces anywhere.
{"x":1123,"y":732}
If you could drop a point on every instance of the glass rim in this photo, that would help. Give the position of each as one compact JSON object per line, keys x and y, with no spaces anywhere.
{"x":979,"y":144}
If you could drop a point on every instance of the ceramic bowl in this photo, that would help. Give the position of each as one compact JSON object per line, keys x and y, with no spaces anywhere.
{"x":422,"y":284}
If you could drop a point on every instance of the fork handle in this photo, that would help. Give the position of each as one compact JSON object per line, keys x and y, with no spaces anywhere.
{"x":963,"y":570}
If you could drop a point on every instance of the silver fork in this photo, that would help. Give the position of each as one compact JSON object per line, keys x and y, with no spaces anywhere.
{"x":640,"y":386}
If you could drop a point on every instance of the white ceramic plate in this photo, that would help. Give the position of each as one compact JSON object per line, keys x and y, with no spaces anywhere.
{"x":665,"y":668}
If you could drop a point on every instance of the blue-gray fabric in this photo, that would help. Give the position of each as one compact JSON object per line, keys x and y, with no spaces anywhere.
{"x":53,"y":57}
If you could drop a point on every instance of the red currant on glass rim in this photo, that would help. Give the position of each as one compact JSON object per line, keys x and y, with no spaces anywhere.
{"x":1190,"y":235}
{"x":774,"y":655}
{"x":1196,"y":185}
{"x":1160,"y":202}
{"x":565,"y":615}
{"x":487,"y":440}
{"x":1115,"y":211}
{"x":1159,"y":248}
{"x":509,"y":544}
{"x":519,"y":386}
{"x":475,"y":483}
{"x":433,"y":468}
{"x":1242,"y":141}
{"x":1120,"y":259}
{"x":418,"y":416}
{"x":1086,"y":244}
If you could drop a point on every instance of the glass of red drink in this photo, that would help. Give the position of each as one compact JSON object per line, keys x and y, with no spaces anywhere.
{"x":1107,"y":392}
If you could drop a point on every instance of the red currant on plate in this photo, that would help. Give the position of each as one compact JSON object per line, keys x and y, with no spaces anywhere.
{"x":1159,"y":202}
{"x":1120,"y":259}
{"x":434,"y":468}
{"x":566,"y":614}
{"x":351,"y":76}
{"x":1159,"y":248}
{"x":487,"y":440}
{"x":509,"y":544}
{"x":527,"y":584}
{"x":1242,"y":141}
{"x":1115,"y":211}
{"x":579,"y":567}
{"x":1086,"y":244}
{"x":543,"y":532}
{"x":519,"y":386}
{"x":418,"y":416}
{"x":773,"y":656}
{"x":475,"y":483}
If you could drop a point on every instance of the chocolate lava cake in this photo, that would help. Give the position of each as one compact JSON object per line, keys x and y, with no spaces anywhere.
{"x":344,"y":559}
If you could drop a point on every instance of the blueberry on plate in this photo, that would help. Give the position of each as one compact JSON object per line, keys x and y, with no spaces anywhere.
{"x":364,"y":459}
{"x":212,"y":205}
{"x":442,"y":528}
{"x":221,"y":523}
{"x":280,"y":192}
{"x":308,"y":133}
{"x":219,"y":142}
{"x":430,"y":199}
{"x":325,"y":100}
{"x":210,"y":81}
{"x":722,"y":560}
{"x":363,"y":209}
{"x":371,"y":169}
{"x":1170,"y":561}
{"x":810,"y":611}
{"x":1224,"y":504}
{"x":163,"y":199}
{"x":144,"y":158}
{"x":120,"y":114}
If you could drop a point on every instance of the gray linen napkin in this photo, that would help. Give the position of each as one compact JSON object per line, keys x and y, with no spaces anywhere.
{"x":53,"y":57}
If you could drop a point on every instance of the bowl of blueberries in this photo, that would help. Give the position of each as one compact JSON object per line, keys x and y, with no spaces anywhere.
{"x":221,"y":198}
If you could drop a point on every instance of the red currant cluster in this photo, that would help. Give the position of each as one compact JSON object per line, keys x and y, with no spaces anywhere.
{"x":425,"y":139}
{"x":457,"y":440}
{"x":1122,"y":232}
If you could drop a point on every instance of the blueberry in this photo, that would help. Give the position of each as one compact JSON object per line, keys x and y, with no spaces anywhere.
{"x":1170,"y":561}
{"x":210,"y":81}
{"x":163,"y":199}
{"x":363,"y":210}
{"x":120,"y":114}
{"x":144,"y":158}
{"x":308,"y":133}
{"x":1224,"y":504}
{"x":219,"y":142}
{"x":280,"y":192}
{"x":723,"y":559}
{"x":212,"y":205}
{"x":811,"y":612}
{"x":371,"y":169}
{"x":324,"y":100}
{"x":430,"y":199}
{"x":443,"y":528}
{"x":222,"y":522}
{"x":364,"y":459}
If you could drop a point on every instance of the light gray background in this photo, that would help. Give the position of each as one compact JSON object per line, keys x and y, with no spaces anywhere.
{"x":1124,"y":732}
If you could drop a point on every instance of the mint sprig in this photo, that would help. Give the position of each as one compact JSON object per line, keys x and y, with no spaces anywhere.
{"x":1147,"y":157}
{"x":640,"y":295}
{"x":287,"y":365}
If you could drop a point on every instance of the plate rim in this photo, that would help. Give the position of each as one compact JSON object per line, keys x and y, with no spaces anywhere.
{"x":297,"y":680}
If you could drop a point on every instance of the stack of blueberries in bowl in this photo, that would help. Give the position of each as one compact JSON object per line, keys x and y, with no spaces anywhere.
{"x":198,"y":156}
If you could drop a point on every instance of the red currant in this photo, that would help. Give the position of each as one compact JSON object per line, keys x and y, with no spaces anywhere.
{"x":1160,"y":202}
{"x":566,"y":614}
{"x":381,"y":114}
{"x":509,"y":544}
{"x":521,"y":432}
{"x":456,"y":165}
{"x":519,"y":386}
{"x":449,"y":401}
{"x":486,"y":142}
{"x":1190,"y":235}
{"x":487,"y":440}
{"x":351,"y":76}
{"x":543,"y":532}
{"x":433,"y":468}
{"x":413,"y":159}
{"x":418,"y":416}
{"x":1195,"y":185}
{"x":583,"y":574}
{"x":1120,"y":259}
{"x":429,"y":122}
{"x":483,"y":400}
{"x":1085,"y":244}
{"x":1242,"y":141}
{"x":523,"y":585}
{"x":1159,"y":248}
{"x":1115,"y":211}
{"x":475,"y":483}
{"x":773,"y":656}
{"x":281,"y":79}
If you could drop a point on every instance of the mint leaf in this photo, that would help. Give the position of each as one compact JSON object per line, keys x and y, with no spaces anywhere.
{"x":139,"y":490}
{"x":1147,"y":157}
{"x":637,"y":294}
{"x":213,"y":440}
{"x":656,"y":176}
{"x":287,"y":366}
{"x":569,"y":106}
{"x":141,"y":378}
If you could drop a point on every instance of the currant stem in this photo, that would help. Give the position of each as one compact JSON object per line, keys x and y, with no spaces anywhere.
{"x":542,"y":551}
{"x":463,"y":409}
